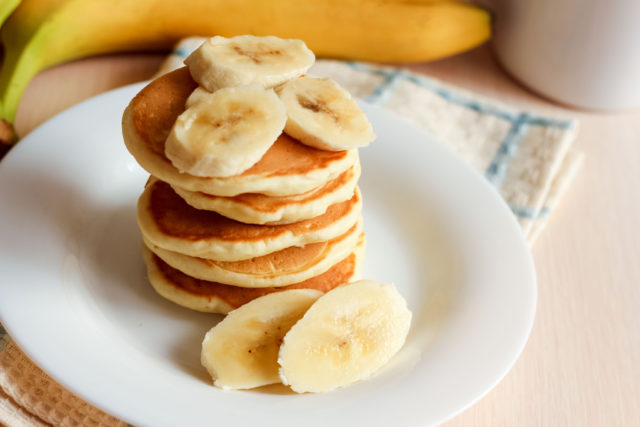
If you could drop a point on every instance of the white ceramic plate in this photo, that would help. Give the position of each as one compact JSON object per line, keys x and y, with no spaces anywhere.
{"x":75,"y":298}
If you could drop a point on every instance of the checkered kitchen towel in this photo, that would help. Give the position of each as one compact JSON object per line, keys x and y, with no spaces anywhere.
{"x":525,"y":156}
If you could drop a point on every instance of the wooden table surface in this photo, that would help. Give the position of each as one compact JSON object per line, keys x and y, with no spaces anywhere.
{"x":581,"y":366}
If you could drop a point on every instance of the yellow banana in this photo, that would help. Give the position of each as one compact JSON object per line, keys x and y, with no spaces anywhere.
{"x":6,"y":7}
{"x":41,"y":33}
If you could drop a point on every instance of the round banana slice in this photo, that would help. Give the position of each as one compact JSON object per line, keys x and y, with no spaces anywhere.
{"x":226,"y":132}
{"x":323,"y":115}
{"x":241,"y":351}
{"x":346,"y":336}
{"x":269,"y":61}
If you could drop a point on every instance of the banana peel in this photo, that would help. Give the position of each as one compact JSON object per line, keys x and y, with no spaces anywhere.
{"x":7,"y":135}
{"x":6,"y":7}
{"x":42,"y":33}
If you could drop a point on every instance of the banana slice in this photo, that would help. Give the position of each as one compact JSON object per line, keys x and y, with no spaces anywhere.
{"x":323,"y":115}
{"x":269,"y":61}
{"x":199,"y":94}
{"x":225,"y":133}
{"x":346,"y":336}
{"x":241,"y":351}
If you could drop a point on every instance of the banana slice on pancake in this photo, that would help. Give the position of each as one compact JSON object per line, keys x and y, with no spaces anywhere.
{"x":323,"y":115}
{"x":269,"y":61}
{"x":346,"y":336}
{"x":199,"y":94}
{"x":226,"y":132}
{"x":147,"y":122}
{"x":241,"y":351}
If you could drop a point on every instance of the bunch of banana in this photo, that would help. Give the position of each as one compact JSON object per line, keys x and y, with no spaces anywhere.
{"x":41,"y":33}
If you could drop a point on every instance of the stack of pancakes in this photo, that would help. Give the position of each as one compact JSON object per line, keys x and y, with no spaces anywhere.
{"x":292,"y":220}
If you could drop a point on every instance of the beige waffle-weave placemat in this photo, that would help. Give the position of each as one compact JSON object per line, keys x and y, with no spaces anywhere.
{"x":527,"y":157}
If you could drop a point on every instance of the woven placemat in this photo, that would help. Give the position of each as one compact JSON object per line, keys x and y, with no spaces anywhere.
{"x":526,"y":156}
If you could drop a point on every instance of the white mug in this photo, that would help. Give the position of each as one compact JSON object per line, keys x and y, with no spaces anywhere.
{"x":584,"y":53}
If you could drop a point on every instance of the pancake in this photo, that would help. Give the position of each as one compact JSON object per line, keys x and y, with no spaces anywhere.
{"x":168,"y":222}
{"x":211,"y":297}
{"x":254,"y":208}
{"x":281,"y":268}
{"x":287,"y":168}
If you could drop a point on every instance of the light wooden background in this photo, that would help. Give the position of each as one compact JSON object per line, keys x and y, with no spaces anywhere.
{"x":581,"y":366}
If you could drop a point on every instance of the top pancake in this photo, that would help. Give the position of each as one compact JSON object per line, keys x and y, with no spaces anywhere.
{"x":287,"y":168}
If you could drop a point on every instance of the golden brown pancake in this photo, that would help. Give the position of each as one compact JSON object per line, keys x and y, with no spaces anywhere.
{"x":287,"y":168}
{"x":255,"y":208}
{"x":202,"y":295}
{"x":167,"y":221}
{"x":281,"y":268}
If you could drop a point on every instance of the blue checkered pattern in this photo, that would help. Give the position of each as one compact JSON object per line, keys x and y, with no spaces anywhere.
{"x":520,"y":123}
